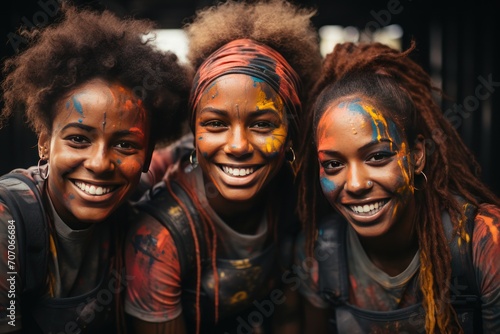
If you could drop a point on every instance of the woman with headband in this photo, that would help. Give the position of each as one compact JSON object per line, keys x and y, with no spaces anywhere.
{"x":204,"y":249}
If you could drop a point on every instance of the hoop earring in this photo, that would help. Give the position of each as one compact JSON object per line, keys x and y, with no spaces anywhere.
{"x":425,"y":178}
{"x":45,"y":166}
{"x":193,"y":159}
{"x":290,"y":155}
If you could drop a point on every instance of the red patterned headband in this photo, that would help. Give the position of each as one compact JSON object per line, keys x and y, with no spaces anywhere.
{"x":248,"y":57}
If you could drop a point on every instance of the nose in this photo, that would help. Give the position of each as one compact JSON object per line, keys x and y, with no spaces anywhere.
{"x":357,"y":181}
{"x":99,"y":161}
{"x":238,"y":143}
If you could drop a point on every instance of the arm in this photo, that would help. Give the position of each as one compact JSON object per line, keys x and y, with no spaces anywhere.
{"x":486,"y":252}
{"x":153,"y":296}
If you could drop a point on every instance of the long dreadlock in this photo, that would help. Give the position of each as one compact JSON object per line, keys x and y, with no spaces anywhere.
{"x":451,"y":169}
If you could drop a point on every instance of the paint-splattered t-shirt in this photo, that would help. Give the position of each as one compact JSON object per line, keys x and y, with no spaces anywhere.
{"x":154,"y":294}
{"x":76,"y":263}
{"x":372,"y":289}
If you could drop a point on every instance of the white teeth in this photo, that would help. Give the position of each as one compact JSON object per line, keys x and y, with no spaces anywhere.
{"x":368,"y":209}
{"x":92,"y":189}
{"x":237,"y":171}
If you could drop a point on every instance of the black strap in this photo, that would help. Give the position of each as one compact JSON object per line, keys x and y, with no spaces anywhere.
{"x":332,"y":267}
{"x":464,"y":289}
{"x":160,"y":204}
{"x":21,"y":195}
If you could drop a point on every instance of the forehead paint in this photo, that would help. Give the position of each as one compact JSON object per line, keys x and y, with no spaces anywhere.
{"x":256,"y":80}
{"x":136,"y":130}
{"x":327,"y":185}
{"x":265,"y":102}
{"x":77,"y":105}
{"x":118,"y":161}
{"x":104,"y":122}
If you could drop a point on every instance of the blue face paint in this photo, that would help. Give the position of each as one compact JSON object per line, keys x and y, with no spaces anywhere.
{"x":327,"y":185}
{"x":78,"y":106}
{"x":256,"y":81}
{"x":80,"y":120}
{"x":200,"y":138}
{"x":118,"y":161}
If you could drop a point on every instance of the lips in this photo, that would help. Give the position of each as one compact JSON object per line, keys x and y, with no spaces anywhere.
{"x":368,"y":209}
{"x":92,"y":189}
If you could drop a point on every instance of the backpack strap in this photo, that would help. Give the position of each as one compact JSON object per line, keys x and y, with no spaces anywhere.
{"x":464,"y":289}
{"x":332,"y":267}
{"x":160,"y":204}
{"x":23,"y":198}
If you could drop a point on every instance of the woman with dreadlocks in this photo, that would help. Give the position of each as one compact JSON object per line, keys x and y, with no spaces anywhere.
{"x":86,"y":85}
{"x":414,"y":244}
{"x":204,"y":250}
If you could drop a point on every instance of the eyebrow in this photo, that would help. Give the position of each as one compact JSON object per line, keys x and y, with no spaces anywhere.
{"x":362,"y":148}
{"x":257,"y":112}
{"x":121,"y":133}
{"x":133,"y":131}
{"x":79,"y":126}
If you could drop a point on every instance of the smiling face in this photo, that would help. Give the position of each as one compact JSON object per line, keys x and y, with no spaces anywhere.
{"x":96,"y":151}
{"x":366,"y":170}
{"x":240,"y":133}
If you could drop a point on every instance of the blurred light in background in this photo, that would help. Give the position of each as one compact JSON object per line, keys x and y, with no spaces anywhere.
{"x":331,"y":35}
{"x":173,"y":40}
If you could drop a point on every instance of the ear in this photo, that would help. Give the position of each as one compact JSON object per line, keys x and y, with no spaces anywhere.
{"x":44,"y":146}
{"x":418,"y":155}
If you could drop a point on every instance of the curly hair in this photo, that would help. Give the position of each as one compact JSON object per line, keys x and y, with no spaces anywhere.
{"x":84,"y":44}
{"x":278,"y":24}
{"x":87,"y":44}
{"x":450,"y":168}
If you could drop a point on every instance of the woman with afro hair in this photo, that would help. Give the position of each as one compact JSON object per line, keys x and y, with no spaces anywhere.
{"x":207,"y":249}
{"x":99,"y":97}
{"x":414,"y":244}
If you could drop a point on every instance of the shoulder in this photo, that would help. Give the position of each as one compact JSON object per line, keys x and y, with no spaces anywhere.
{"x":486,"y":246}
{"x":487,"y":224}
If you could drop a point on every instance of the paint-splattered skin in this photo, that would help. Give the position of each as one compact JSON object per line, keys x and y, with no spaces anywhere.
{"x":358,"y":144}
{"x":99,"y":136}
{"x":240,"y":123}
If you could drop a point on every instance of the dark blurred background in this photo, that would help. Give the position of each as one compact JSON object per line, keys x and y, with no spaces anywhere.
{"x":457,"y":43}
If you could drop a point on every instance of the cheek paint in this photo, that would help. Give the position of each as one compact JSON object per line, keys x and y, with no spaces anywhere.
{"x":118,"y":162}
{"x":200,"y":138}
{"x":327,"y":185}
{"x":274,"y":143}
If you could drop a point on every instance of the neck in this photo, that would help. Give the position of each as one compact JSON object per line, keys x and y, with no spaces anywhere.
{"x":394,"y":251}
{"x":243,"y":217}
